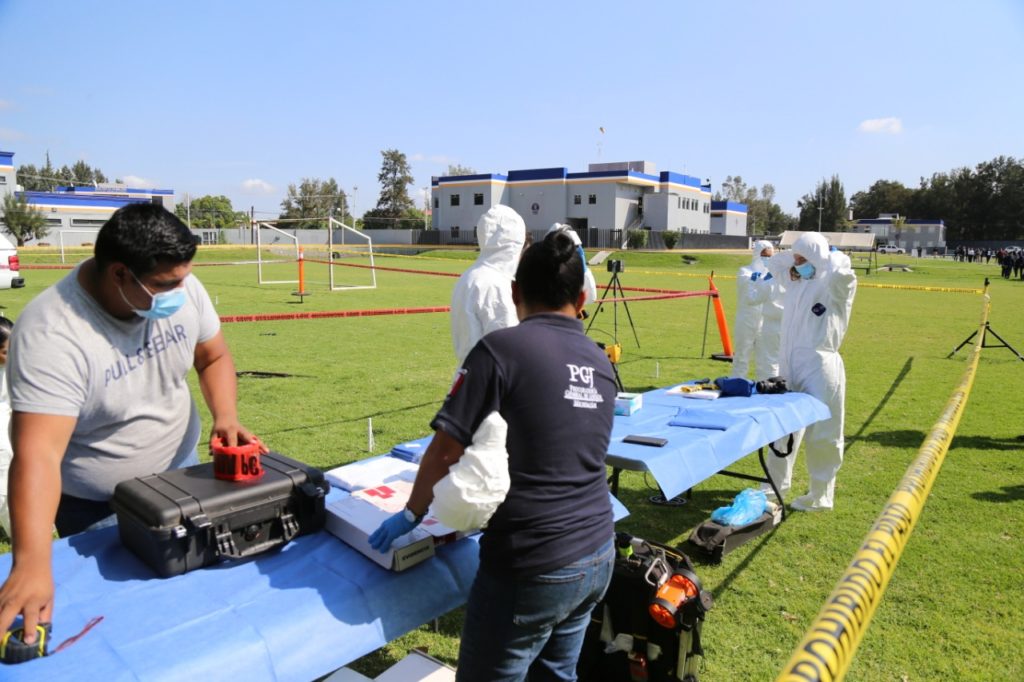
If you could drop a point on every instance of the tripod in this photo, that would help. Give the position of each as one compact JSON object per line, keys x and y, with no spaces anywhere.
{"x":984,"y":338}
{"x":615,"y":287}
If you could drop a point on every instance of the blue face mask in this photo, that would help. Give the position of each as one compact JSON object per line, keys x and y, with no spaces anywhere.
{"x":805,"y":270}
{"x":164,"y":304}
{"x":765,"y":259}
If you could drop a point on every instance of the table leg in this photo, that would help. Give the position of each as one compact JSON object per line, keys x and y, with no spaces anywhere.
{"x":614,"y":481}
{"x":769,"y":481}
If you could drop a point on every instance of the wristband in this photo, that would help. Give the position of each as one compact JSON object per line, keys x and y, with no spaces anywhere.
{"x":411,"y":516}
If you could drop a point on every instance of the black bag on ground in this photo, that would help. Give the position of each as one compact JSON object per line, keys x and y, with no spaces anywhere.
{"x":185,"y":519}
{"x":624,"y":641}
{"x":712,"y":540}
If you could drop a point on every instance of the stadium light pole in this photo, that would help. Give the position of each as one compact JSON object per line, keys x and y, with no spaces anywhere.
{"x":355,"y":199}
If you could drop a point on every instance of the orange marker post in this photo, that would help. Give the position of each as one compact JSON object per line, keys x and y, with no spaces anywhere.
{"x":301,"y":293}
{"x":723,"y":327}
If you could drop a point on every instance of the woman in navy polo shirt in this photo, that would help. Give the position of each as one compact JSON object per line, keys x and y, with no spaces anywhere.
{"x":546,"y":555}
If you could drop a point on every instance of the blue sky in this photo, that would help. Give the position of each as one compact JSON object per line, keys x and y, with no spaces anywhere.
{"x":242,"y":98}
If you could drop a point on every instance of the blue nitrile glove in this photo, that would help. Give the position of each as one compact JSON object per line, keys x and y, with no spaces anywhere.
{"x":768,"y":277}
{"x":393,"y":528}
{"x":754,"y":276}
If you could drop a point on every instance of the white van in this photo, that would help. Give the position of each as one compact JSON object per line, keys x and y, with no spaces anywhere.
{"x":10,"y":277}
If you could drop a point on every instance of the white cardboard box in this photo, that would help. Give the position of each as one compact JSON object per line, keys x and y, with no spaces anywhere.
{"x":354,"y":518}
{"x":416,"y":667}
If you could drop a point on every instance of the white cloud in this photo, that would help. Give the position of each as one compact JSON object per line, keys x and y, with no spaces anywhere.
{"x":257,"y":186}
{"x":136,"y":181}
{"x":440,"y":159}
{"x":11,"y":135}
{"x":890,"y":125}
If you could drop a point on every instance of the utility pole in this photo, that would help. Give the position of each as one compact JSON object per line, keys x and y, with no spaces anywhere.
{"x":820,"y":208}
{"x":188,"y":211}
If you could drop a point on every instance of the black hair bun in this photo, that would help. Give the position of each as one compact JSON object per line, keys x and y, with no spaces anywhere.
{"x":562,"y":246}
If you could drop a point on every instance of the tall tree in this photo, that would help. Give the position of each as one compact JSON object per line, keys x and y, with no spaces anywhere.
{"x":210,"y":212}
{"x":459,"y":169}
{"x":313,"y":201}
{"x":825,"y":206}
{"x":47,"y":178}
{"x":764,"y":216}
{"x":23,"y":221}
{"x":885,"y":196}
{"x":395,"y":176}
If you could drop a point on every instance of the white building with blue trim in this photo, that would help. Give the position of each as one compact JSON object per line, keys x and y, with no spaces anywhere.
{"x":608,"y":196}
{"x":927,"y":234}
{"x":70,"y":208}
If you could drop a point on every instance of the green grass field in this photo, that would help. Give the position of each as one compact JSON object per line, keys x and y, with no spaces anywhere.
{"x":955,"y":606}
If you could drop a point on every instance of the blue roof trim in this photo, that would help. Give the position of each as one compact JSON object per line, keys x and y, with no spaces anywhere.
{"x":8,"y":157}
{"x":85,"y":189}
{"x":886,"y":221}
{"x":69,"y":199}
{"x":680,"y":179}
{"x":537,"y":174}
{"x":728,"y":206}
{"x":477,"y":177}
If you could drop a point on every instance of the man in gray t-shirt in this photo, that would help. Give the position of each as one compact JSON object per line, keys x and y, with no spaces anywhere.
{"x":98,"y":373}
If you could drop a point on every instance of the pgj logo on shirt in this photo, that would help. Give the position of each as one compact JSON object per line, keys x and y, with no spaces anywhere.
{"x":585,"y":395}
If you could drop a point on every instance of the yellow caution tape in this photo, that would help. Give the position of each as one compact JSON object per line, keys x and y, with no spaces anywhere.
{"x":828,"y":646}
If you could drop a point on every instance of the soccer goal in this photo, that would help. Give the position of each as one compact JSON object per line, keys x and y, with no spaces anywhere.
{"x":277,"y":252}
{"x":355,"y":248}
{"x":78,"y":243}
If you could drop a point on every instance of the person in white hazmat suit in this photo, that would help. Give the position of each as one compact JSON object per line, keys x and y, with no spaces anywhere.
{"x":481,"y":303}
{"x":482,"y":299}
{"x":820,"y":287}
{"x":758,"y":316}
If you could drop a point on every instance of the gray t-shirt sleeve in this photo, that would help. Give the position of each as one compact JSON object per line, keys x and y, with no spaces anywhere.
{"x":47,"y":372}
{"x":209,"y":321}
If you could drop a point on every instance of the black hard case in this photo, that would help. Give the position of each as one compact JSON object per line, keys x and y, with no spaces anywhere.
{"x":185,"y":519}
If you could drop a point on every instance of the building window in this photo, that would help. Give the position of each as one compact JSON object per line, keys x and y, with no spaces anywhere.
{"x":478,"y":199}
{"x":577,"y":199}
{"x":437,"y":202}
{"x":679,"y":202}
{"x":455,"y":200}
{"x":3,"y":179}
{"x":455,"y":231}
{"x":592,"y":199}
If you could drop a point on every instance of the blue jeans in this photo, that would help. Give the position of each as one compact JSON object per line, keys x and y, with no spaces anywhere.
{"x":532,"y":626}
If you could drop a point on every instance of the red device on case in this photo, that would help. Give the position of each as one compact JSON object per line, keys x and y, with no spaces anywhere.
{"x":237,"y":463}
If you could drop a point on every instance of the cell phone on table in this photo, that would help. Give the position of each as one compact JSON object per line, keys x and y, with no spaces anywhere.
{"x":652,"y":441}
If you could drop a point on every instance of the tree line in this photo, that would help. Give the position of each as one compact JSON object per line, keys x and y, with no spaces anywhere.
{"x":981,"y":203}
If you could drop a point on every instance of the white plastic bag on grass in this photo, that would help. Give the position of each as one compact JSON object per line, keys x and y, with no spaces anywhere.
{"x":476,"y":485}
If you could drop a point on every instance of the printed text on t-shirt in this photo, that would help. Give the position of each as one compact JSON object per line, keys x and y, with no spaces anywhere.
{"x":581,"y":389}
{"x":158,"y":343}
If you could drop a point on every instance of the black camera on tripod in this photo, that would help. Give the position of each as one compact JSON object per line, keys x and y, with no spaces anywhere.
{"x":616,"y":266}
